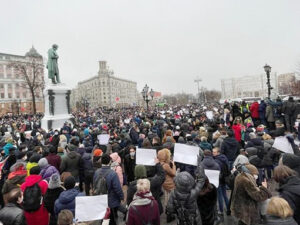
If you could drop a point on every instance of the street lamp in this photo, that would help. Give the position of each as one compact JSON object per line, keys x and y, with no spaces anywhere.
{"x":268,"y":71}
{"x":146,"y":94}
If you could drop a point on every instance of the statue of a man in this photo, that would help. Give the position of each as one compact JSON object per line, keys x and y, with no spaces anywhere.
{"x":52,"y":65}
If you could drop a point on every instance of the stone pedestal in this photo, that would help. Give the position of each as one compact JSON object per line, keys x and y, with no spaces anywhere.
{"x":57,"y":106}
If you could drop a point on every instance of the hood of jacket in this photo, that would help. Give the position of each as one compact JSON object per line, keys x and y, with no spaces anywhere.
{"x":184,"y":182}
{"x":32,"y":179}
{"x":209,"y":163}
{"x":68,"y":196}
{"x":115,"y":157}
{"x":164,"y":155}
{"x":87,"y":156}
{"x":72,"y":155}
{"x":222,"y":158}
{"x":291,"y":160}
{"x":230,"y":142}
{"x":292,"y":185}
{"x":251,"y":151}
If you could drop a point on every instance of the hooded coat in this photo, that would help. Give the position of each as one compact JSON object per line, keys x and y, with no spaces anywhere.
{"x":116,"y":166}
{"x":230,"y":148}
{"x":66,"y":200}
{"x":41,"y":215}
{"x":272,"y":220}
{"x":290,"y":191}
{"x":71,"y":163}
{"x":184,"y":197}
{"x":210,"y":164}
{"x":245,"y":198}
{"x":292,"y":161}
{"x":48,"y":171}
{"x":12,"y":215}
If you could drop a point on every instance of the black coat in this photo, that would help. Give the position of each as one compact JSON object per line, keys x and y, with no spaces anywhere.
{"x":230,"y":148}
{"x":155,"y":186}
{"x":290,"y":191}
{"x":129,"y":165}
{"x":49,"y":200}
{"x":207,"y":203}
{"x":12,"y":215}
{"x":272,"y":220}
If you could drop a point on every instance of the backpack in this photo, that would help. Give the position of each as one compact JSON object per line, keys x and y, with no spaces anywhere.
{"x":140,"y":217}
{"x":184,"y":216}
{"x":100,"y":186}
{"x":33,"y":198}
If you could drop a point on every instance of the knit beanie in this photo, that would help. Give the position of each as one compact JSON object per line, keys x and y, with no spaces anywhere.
{"x":252,"y":169}
{"x":43,"y":162}
{"x":69,"y":182}
{"x":97,"y":152}
{"x":140,"y":171}
{"x":54,"y":181}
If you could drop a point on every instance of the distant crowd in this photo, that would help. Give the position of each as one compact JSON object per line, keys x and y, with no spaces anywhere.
{"x":254,"y":146}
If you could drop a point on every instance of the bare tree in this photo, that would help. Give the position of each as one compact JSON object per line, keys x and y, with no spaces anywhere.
{"x":31,"y":71}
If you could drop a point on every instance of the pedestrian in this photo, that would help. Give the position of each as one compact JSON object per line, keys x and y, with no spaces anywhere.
{"x":129,"y":164}
{"x":279,"y":212}
{"x":46,"y":170}
{"x":144,"y":208}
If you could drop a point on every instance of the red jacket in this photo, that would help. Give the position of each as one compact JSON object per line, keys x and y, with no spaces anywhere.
{"x":254,"y":110}
{"x":144,"y":213}
{"x":237,"y":132}
{"x":41,"y":216}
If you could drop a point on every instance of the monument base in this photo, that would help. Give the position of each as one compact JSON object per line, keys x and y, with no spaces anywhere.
{"x":57,"y":106}
{"x":55,"y":122}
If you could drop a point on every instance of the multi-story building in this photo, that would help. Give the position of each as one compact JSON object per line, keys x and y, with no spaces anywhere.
{"x":104,"y":89}
{"x":285,"y":81}
{"x":248,"y":86}
{"x":15,"y":96}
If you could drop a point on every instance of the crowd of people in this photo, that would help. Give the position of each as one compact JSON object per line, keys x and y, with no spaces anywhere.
{"x":42,"y":172}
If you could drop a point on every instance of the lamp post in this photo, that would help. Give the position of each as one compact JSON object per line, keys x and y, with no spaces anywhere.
{"x":146,"y":93}
{"x":268,"y":71}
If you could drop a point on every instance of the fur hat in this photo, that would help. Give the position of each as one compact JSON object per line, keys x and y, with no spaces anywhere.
{"x":54,"y":181}
{"x":140,"y":171}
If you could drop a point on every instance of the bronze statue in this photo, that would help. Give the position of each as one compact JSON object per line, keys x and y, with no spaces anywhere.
{"x":52,"y":65}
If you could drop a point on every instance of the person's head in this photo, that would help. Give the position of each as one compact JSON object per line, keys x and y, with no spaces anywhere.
{"x":282,"y":172}
{"x":155,"y":140}
{"x":98,"y":152}
{"x":69,"y":182}
{"x":203,"y":139}
{"x":207,"y":152}
{"x":65,"y":217}
{"x":252,"y":170}
{"x":15,"y":196}
{"x":223,"y":131}
{"x":230,"y":133}
{"x":43,"y":162}
{"x":140,"y":172}
{"x":143,"y":185}
{"x":38,"y":149}
{"x":35,"y":170}
{"x":243,"y":151}
{"x":216,"y":151}
{"x":132,"y":150}
{"x":52,"y":149}
{"x":55,"y":46}
{"x":54,"y":181}
{"x":105,"y":160}
{"x":279,"y":207}
{"x":164,"y":155}
{"x":252,"y":135}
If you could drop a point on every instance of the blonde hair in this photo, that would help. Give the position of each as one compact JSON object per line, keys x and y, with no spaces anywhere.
{"x":279,"y":207}
{"x":143,"y":185}
{"x":203,"y":139}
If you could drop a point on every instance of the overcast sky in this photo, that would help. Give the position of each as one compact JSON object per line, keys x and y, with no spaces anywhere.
{"x":164,"y":43}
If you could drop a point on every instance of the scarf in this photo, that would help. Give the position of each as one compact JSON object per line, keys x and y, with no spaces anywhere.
{"x":142,"y":198}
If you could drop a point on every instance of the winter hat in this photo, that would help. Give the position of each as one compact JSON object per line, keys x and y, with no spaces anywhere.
{"x":140,"y":171}
{"x":252,"y":169}
{"x":292,"y":161}
{"x":184,"y":182}
{"x":54,"y":181}
{"x":69,"y":182}
{"x":43,"y":162}
{"x":115,"y":157}
{"x":98,"y":152}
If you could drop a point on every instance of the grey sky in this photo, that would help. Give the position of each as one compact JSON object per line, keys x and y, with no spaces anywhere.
{"x":164,"y":43}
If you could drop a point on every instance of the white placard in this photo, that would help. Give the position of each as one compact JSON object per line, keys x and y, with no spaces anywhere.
{"x":209,"y":115}
{"x":90,"y":208}
{"x":103,"y":139}
{"x":127,"y":121}
{"x":186,"y":154}
{"x":145,"y":157}
{"x":282,"y":144}
{"x":213,"y":177}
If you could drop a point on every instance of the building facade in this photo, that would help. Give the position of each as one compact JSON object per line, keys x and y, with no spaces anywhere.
{"x":248,"y":86}
{"x":104,"y":90}
{"x":15,"y":96}
{"x":285,"y":81}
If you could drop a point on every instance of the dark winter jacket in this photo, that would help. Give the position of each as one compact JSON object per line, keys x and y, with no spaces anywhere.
{"x":290,"y":191}
{"x":262,"y":110}
{"x":230,"y":148}
{"x":66,"y":200}
{"x":115,"y":192}
{"x":87,"y":165}
{"x":12,"y":215}
{"x":272,"y":220}
{"x":71,"y":163}
{"x":129,"y":165}
{"x":224,"y":167}
{"x":134,"y":136}
{"x":155,"y":186}
{"x":210,"y":164}
{"x":292,"y":161}
{"x":49,"y":199}
{"x":289,"y":107}
{"x":183,"y":200}
{"x":54,"y":160}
